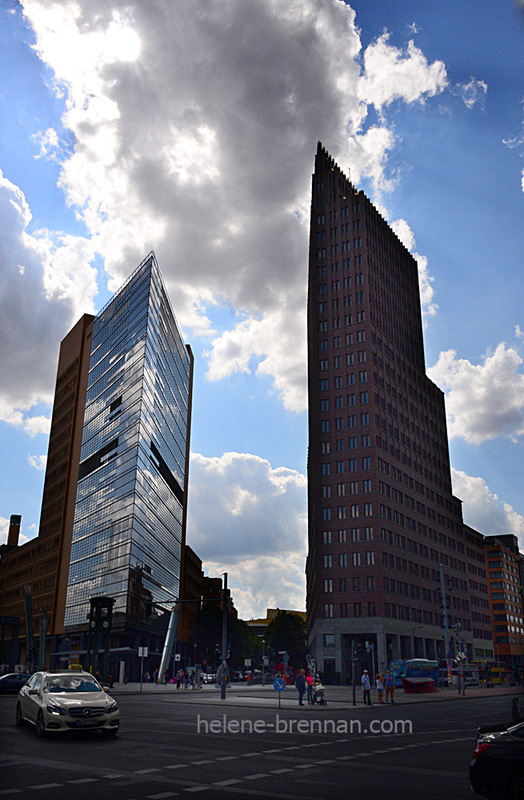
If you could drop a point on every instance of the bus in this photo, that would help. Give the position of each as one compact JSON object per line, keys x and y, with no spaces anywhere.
{"x":491,"y":673}
{"x":415,"y":668}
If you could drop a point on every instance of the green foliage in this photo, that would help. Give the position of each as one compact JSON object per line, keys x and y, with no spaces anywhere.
{"x":287,"y":631}
{"x":241,"y":641}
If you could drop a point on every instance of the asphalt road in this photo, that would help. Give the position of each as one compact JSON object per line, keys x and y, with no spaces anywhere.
{"x":169,"y":746}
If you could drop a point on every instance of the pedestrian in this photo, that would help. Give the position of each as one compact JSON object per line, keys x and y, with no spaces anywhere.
{"x":380,"y":687}
{"x":309,"y":685}
{"x":300,"y":684}
{"x":390,"y":685}
{"x":366,"y":688}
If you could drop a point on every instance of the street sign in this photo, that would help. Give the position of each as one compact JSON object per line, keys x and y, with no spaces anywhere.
{"x":247,"y":662}
{"x":142,"y":652}
{"x":177,"y":656}
{"x":279,"y":684}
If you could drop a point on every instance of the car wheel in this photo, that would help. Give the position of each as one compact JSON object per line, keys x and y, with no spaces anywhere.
{"x":109,"y":731}
{"x":19,"y":717}
{"x":40,"y":725}
{"x":517,"y":788}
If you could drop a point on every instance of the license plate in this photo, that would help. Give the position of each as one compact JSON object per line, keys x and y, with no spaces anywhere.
{"x":85,"y":723}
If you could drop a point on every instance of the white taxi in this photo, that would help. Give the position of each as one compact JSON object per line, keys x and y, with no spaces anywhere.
{"x":64,"y":701}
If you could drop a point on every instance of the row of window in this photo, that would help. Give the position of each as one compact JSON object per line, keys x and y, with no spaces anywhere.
{"x":353,"y":535}
{"x":347,"y":560}
{"x":340,"y":466}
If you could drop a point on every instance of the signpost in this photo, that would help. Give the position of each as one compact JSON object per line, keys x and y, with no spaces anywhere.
{"x":279,"y":685}
{"x":142,"y":653}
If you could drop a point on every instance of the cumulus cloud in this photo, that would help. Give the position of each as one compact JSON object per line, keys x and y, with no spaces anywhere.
{"x":391,"y":74}
{"x":483,"y":509}
{"x":211,"y":167}
{"x":249,"y":519}
{"x":47,"y":284}
{"x":483,"y":401}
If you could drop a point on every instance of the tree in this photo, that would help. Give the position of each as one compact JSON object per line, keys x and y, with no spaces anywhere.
{"x":287,"y":631}
{"x":241,"y":641}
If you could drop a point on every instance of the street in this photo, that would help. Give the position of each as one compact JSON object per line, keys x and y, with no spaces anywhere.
{"x":172,"y":745}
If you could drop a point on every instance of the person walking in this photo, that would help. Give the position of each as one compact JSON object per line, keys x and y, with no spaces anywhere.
{"x":380,"y":687}
{"x":366,"y":688}
{"x":300,"y":684}
{"x":390,"y":685}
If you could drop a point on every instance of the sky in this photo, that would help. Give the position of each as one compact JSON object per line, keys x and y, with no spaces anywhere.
{"x":190,"y":128}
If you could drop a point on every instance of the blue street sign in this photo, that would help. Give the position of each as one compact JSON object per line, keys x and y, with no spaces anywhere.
{"x":279,"y":684}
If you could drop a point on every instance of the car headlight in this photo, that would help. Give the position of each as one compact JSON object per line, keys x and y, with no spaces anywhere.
{"x":112,"y":707}
{"x":56,"y":709}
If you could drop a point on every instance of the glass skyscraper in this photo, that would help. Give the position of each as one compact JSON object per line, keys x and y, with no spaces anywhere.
{"x":130,"y":515}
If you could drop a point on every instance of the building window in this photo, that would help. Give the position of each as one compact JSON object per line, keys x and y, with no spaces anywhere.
{"x":328,"y":610}
{"x":327,"y":537}
{"x":342,"y":560}
{"x":356,"y":584}
{"x":357,"y":609}
{"x":326,"y":513}
{"x":355,"y":557}
{"x":329,"y":639}
{"x":328,"y":585}
{"x":370,"y":557}
{"x":326,"y":491}
{"x":341,"y":512}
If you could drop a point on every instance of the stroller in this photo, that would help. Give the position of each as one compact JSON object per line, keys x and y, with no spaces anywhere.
{"x":318,"y":695}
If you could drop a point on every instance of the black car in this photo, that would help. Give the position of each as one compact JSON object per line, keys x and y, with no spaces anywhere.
{"x":13,"y":681}
{"x":497,"y":769}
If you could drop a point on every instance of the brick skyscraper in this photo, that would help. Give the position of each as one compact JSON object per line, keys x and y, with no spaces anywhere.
{"x":382,"y":516}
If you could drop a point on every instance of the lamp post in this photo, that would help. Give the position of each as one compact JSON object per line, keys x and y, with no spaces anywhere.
{"x":224,"y":640}
{"x":263,"y":662}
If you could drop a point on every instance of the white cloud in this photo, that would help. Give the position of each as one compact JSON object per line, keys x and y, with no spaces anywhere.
{"x":38,"y":462}
{"x":249,"y":519}
{"x":49,"y":144}
{"x":483,"y":401}
{"x":483,"y":509}
{"x":472,"y":92}
{"x":391,"y":74}
{"x":47,"y":284}
{"x":209,"y":167}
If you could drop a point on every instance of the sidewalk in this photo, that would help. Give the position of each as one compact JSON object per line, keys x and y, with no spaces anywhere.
{"x":338,"y":697}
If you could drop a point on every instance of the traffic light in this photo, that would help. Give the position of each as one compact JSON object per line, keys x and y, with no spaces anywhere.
{"x":101,"y":614}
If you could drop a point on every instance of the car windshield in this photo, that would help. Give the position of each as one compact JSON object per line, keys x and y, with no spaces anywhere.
{"x":70,"y":683}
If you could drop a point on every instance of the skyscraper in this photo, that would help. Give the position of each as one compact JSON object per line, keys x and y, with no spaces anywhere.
{"x":387,"y":545}
{"x":130,"y":515}
{"x":115,"y":493}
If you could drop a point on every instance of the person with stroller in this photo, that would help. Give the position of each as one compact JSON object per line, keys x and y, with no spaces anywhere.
{"x":318,"y":693}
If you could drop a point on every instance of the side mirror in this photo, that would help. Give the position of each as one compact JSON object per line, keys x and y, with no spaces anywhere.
{"x":33,"y":691}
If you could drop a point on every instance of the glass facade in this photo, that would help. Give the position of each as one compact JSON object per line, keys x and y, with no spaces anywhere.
{"x":128,"y":531}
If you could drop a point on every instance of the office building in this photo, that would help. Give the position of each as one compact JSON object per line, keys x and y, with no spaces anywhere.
{"x":506,"y":588}
{"x":115,"y":493}
{"x":387,"y":545}
{"x":42,"y":564}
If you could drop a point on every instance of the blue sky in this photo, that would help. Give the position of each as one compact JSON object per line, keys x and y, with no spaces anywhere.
{"x":126,"y":127}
